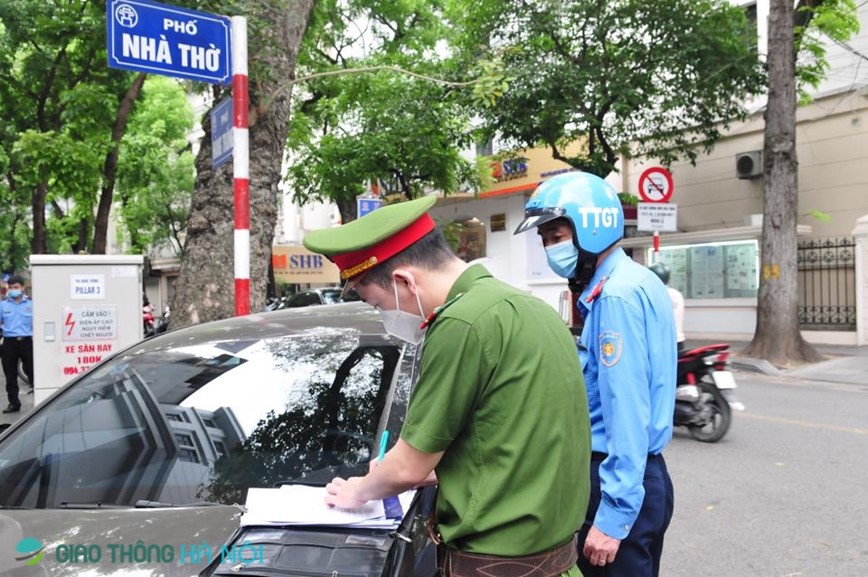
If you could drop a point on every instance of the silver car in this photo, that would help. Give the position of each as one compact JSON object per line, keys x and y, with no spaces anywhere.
{"x":140,"y":467}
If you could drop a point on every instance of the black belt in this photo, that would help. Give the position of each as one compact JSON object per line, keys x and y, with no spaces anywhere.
{"x":597,"y":456}
{"x":19,"y":338}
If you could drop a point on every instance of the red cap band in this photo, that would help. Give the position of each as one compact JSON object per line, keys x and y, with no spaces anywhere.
{"x":357,"y":262}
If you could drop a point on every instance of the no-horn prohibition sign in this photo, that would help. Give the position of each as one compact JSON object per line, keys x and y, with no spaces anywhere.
{"x":655,"y":185}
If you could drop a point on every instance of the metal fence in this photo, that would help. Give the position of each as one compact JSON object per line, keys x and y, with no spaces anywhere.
{"x":827,"y":284}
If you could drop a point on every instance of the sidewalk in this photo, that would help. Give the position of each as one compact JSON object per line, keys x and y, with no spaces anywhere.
{"x":26,"y":399}
{"x":844,"y":364}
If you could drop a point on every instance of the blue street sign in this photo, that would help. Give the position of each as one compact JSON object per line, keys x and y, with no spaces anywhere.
{"x":366,"y":205}
{"x":221,"y":133}
{"x":149,"y":37}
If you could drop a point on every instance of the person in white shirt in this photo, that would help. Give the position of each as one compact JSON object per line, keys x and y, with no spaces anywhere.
{"x":662,"y":271}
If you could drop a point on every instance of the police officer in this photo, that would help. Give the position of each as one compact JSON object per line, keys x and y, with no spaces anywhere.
{"x":16,"y":318}
{"x":499,"y":410}
{"x":629,"y":367}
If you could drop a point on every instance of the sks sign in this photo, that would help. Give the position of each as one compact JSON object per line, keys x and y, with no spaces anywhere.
{"x":297,"y":265}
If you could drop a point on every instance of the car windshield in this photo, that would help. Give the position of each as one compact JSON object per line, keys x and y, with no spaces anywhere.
{"x":331,"y":296}
{"x":191,"y":423}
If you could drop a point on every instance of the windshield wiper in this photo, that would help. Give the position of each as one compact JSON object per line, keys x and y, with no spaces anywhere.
{"x":145,"y":504}
{"x":90,"y":505}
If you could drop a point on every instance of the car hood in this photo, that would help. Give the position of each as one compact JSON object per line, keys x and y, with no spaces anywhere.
{"x":128,"y":534}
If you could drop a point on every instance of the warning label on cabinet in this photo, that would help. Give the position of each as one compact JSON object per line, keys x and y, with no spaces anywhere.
{"x":90,"y":323}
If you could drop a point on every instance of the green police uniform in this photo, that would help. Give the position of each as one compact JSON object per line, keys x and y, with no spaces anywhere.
{"x":501,"y":393}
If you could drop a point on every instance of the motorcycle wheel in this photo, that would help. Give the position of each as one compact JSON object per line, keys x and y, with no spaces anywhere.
{"x":721,"y":415}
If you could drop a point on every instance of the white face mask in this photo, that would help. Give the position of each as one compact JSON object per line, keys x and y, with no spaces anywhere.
{"x":404,"y":325}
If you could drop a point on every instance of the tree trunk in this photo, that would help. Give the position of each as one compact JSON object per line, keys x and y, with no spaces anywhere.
{"x":777,"y":337}
{"x":37,"y":203}
{"x":109,"y":171}
{"x":206,"y":285}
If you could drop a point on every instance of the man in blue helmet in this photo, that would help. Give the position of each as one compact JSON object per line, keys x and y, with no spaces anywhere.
{"x":629,"y":365}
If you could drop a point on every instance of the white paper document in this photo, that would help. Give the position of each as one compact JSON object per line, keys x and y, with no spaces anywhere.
{"x":305,"y":505}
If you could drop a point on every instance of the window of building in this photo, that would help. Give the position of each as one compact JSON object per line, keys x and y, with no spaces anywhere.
{"x":712,"y":270}
{"x":470,"y":242}
{"x":187,"y":448}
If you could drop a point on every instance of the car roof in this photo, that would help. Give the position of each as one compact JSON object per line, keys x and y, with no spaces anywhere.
{"x":273,"y":324}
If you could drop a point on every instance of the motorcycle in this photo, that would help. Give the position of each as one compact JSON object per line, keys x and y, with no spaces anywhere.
{"x":148,"y":322}
{"x":705,"y":394}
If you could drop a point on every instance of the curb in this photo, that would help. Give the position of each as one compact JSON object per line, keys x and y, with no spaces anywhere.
{"x":755,"y":365}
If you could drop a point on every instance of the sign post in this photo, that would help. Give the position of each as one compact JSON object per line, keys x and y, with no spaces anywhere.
{"x":147,"y":36}
{"x":655,"y":188}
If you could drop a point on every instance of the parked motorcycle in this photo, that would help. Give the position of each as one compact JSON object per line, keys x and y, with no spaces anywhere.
{"x":148,"y":322}
{"x":705,"y":395}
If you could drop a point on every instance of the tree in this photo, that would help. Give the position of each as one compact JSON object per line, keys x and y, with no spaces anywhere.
{"x":155,"y":168}
{"x":659,"y":79}
{"x":777,"y":337}
{"x":205,"y":287}
{"x":404,"y":130}
{"x":60,"y":143}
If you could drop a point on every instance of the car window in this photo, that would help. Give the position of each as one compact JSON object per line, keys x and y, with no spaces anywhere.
{"x":205,"y":422}
{"x":299,"y":300}
{"x":331,"y":296}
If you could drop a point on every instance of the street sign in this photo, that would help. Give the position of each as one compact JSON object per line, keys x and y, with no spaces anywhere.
{"x":146,"y":36}
{"x":655,"y":185}
{"x":221,"y":133}
{"x":366,"y":205}
{"x":657,"y":217}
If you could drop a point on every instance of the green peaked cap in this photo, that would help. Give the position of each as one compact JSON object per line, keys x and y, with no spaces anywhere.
{"x":374,"y":227}
{"x":404,"y":221}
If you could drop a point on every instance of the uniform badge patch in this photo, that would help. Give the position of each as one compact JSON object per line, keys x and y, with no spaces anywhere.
{"x":610,"y":348}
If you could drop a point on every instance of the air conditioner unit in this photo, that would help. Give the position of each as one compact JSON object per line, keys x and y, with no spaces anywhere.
{"x":749,"y":164}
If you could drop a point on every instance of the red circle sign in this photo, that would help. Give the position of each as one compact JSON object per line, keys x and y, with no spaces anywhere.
{"x":655,"y":185}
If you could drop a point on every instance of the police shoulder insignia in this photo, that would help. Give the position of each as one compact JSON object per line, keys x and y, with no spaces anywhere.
{"x":433,"y":316}
{"x":610,"y":348}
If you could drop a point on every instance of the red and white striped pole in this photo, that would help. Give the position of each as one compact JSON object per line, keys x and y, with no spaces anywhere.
{"x":241,"y":165}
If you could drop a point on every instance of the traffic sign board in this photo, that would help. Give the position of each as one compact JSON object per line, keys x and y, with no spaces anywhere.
{"x":657,"y":216}
{"x":150,"y":37}
{"x":366,"y":205}
{"x":655,"y":185}
{"x":221,"y":133}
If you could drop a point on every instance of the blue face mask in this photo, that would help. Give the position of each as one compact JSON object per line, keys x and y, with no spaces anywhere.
{"x":14,"y":293}
{"x":563,"y":258}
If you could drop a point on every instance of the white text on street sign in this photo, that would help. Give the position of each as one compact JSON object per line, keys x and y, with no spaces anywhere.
{"x":146,"y":36}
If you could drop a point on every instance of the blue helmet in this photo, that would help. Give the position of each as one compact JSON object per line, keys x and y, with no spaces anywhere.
{"x":588,"y":201}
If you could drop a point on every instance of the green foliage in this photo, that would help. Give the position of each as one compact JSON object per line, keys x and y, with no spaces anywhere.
{"x":402,"y":130}
{"x":818,"y":215}
{"x":658,"y":79}
{"x":628,"y":199}
{"x":156,"y":173}
{"x":58,"y":100}
{"x":835,"y":20}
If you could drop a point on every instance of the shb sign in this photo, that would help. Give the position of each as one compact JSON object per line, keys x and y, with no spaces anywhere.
{"x":160,"y":39}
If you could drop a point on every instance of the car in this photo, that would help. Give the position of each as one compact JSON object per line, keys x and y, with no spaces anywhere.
{"x":141,"y":466}
{"x":324,"y":296}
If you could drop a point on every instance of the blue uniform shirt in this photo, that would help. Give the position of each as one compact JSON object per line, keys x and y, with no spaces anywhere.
{"x":629,"y":369}
{"x":17,"y":318}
